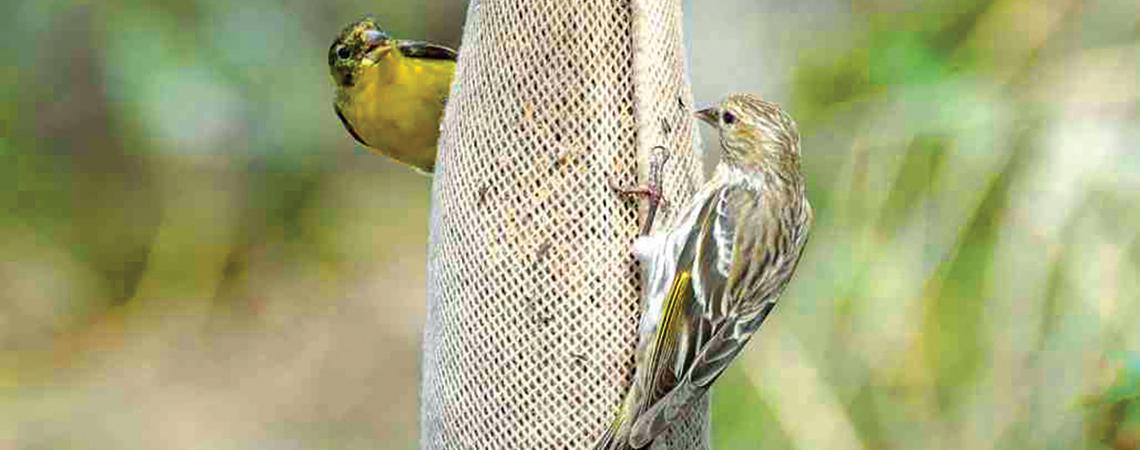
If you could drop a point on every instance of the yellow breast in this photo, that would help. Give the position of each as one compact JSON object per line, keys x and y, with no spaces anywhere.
{"x":396,"y":105}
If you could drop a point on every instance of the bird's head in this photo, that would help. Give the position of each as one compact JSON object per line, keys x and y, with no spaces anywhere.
{"x":360,"y":45}
{"x":753,"y":132}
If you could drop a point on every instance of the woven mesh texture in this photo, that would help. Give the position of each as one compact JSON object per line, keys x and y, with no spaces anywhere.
{"x":532,"y":287}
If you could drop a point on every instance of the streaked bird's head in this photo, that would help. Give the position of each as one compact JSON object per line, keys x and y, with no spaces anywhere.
{"x":360,"y":45}
{"x":754,"y":132}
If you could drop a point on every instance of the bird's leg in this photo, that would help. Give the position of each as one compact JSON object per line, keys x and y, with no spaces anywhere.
{"x":651,"y":191}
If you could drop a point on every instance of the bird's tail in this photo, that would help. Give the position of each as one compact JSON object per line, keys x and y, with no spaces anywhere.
{"x":616,"y":436}
{"x":663,"y":414}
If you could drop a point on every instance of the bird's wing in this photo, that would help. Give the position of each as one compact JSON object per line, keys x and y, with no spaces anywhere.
{"x":716,"y":251}
{"x":669,"y":311}
{"x":673,"y":303}
{"x":426,"y":50}
{"x":750,"y":255}
{"x":348,"y":126}
{"x":738,"y":254}
{"x":666,"y":260}
{"x":765,"y":255}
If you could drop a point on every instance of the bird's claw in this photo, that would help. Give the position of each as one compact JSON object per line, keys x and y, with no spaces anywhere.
{"x":651,"y":191}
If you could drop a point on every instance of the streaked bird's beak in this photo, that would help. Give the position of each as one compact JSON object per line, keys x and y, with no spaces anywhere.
{"x":710,"y":115}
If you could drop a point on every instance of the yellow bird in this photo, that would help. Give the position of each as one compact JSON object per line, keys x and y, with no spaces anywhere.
{"x":390,"y":93}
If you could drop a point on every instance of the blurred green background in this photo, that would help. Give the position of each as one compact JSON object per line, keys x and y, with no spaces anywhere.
{"x":194,"y":254}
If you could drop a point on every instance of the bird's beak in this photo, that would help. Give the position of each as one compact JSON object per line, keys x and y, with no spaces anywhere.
{"x":373,"y":37}
{"x":710,"y":115}
{"x":377,"y":53}
{"x":376,"y":44}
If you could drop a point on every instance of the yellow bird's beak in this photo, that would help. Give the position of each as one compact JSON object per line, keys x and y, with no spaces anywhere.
{"x":375,"y":55}
{"x":710,"y":115}
{"x":378,"y":45}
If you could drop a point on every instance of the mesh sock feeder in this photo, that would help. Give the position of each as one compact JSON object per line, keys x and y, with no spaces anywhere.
{"x":532,"y":285}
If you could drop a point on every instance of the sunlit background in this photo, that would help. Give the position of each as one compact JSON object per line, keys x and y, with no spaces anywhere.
{"x":194,"y":254}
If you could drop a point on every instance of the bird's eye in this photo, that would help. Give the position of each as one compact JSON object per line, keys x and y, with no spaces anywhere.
{"x":728,"y":118}
{"x":343,"y":52}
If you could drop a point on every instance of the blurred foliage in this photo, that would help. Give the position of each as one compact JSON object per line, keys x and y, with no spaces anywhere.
{"x":974,"y":263}
{"x":195,"y":255}
{"x":192,"y":247}
{"x":1114,"y":413}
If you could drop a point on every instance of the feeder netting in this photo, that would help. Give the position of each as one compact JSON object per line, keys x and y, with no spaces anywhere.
{"x":532,"y":286}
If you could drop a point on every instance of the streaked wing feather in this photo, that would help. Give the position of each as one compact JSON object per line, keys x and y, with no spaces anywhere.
{"x":748,"y":316}
{"x":717,"y":251}
{"x":749,"y":295}
{"x":664,"y":350}
{"x":661,"y":356}
{"x":719,"y":286}
{"x":666,"y":262}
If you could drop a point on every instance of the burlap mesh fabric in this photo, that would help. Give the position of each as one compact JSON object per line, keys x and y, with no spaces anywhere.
{"x":532,"y":288}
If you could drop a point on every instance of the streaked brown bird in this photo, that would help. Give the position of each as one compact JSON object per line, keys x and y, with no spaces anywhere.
{"x":714,"y":274}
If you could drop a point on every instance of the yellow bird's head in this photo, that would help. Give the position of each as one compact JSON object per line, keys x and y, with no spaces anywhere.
{"x":359,"y":45}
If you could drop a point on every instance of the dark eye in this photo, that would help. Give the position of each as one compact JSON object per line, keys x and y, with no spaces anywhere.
{"x":728,"y":118}
{"x":343,"y":52}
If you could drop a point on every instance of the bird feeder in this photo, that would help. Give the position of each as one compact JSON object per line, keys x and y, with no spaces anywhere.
{"x":533,"y":292}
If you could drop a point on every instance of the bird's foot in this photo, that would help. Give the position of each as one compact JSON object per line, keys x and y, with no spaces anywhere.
{"x":651,"y":191}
